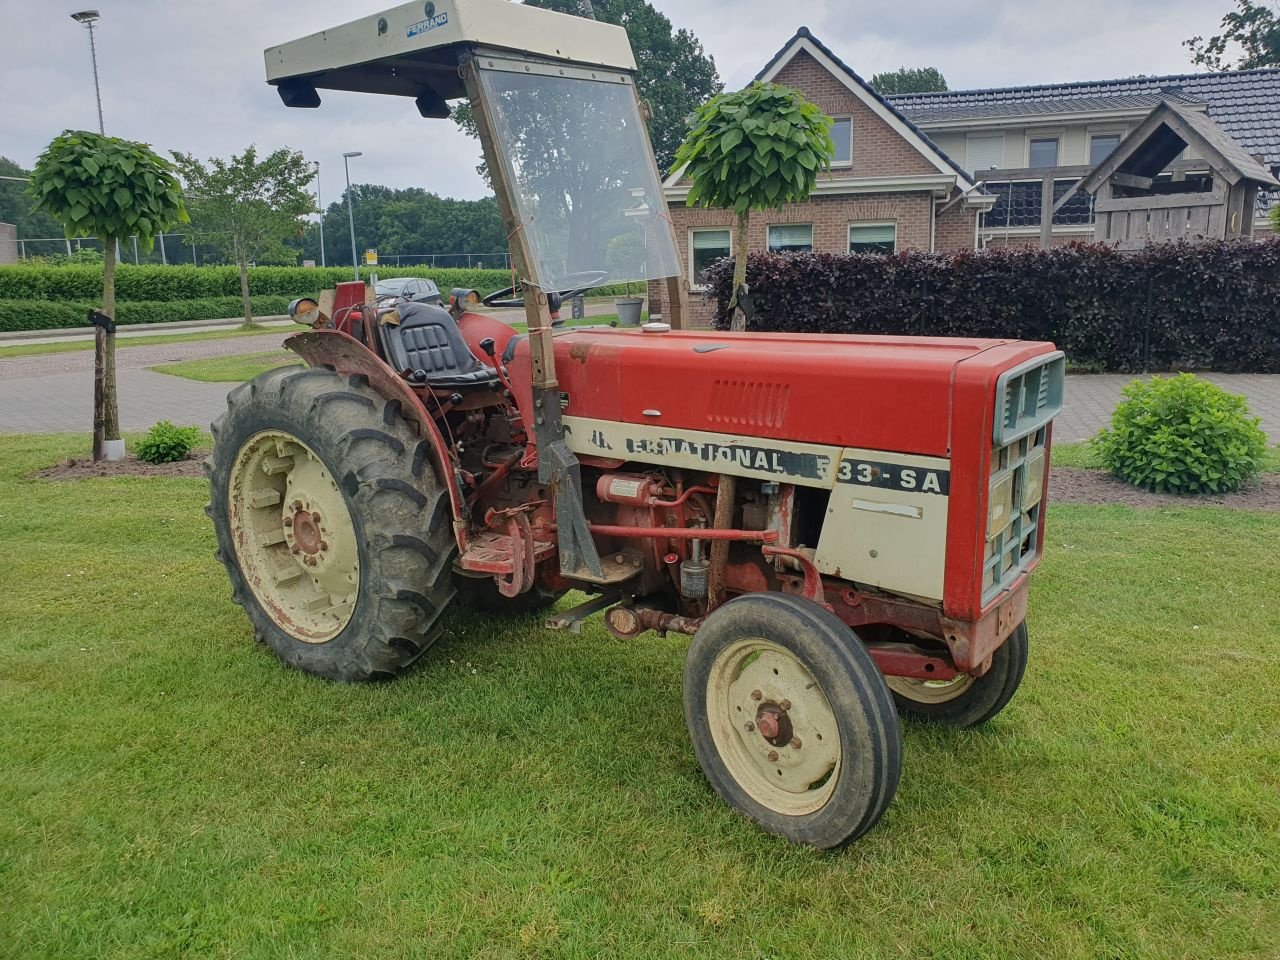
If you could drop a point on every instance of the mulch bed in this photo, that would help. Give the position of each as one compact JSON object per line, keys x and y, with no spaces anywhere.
{"x":1077,"y":485}
{"x":80,"y":468}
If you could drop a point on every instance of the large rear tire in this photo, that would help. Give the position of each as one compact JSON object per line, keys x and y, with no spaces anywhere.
{"x":791,"y":720}
{"x":333,"y":528}
{"x":966,"y":701}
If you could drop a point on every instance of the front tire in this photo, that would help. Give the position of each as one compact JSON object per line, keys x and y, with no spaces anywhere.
{"x":966,"y":701}
{"x":791,"y":720}
{"x":333,"y":529}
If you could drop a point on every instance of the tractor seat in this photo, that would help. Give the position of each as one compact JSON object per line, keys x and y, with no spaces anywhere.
{"x":426,"y":347}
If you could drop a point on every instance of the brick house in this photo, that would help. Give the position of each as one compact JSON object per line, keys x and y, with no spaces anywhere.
{"x":1012,"y":138}
{"x":889,"y":188}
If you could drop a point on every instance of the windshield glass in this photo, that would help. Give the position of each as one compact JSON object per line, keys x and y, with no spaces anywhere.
{"x":391,"y":288}
{"x":587,"y":191}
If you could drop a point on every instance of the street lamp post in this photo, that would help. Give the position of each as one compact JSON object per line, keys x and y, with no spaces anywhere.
{"x":87,"y":17}
{"x":320,"y":204}
{"x":351,"y":217}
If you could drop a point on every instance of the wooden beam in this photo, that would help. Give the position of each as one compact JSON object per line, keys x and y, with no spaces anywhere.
{"x":1046,"y":212}
{"x":1123,"y":179}
{"x":1216,"y":197}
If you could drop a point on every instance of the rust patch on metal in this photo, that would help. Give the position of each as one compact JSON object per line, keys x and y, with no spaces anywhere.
{"x":579,"y":352}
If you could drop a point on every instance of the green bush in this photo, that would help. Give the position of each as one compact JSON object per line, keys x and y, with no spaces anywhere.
{"x":47,"y":315}
{"x":1182,"y":435}
{"x":167,"y":443}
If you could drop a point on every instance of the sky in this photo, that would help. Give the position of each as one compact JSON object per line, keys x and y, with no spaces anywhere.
{"x":188,"y":74}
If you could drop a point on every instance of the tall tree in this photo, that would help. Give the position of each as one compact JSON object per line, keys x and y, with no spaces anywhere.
{"x":756,"y":149}
{"x":1253,"y":28}
{"x":909,"y":80}
{"x":674,"y":74}
{"x":250,"y":207}
{"x":104,"y":187}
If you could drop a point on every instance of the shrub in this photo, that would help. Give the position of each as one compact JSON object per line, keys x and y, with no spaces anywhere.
{"x":167,"y":443}
{"x":1182,"y":435}
{"x":48,"y":315}
{"x":1169,"y":306}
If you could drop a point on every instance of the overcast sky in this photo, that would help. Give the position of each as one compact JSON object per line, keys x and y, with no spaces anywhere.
{"x":188,"y":74}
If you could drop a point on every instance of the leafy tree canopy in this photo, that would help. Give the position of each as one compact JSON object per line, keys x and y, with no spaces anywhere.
{"x":1251,"y":33}
{"x":105,"y":187}
{"x":674,"y":74}
{"x":248,"y":206}
{"x":909,"y":80}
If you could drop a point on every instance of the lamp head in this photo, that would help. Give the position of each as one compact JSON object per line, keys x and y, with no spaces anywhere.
{"x":354,"y":153}
{"x":85,"y":16}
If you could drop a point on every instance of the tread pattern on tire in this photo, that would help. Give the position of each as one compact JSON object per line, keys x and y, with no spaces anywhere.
{"x":399,"y":508}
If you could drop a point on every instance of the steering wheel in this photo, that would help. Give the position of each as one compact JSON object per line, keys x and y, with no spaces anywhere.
{"x":568,"y":287}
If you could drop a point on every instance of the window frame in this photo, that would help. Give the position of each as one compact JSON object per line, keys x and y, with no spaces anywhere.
{"x":693,"y":274}
{"x":768,"y":244}
{"x":1033,"y":138}
{"x":842,"y":164}
{"x":871,"y":223}
{"x":1091,"y":135}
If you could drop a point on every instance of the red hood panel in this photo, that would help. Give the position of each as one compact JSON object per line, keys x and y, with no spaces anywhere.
{"x":887,"y":393}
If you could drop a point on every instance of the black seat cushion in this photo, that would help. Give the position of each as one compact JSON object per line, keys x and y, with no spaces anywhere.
{"x":427,"y":347}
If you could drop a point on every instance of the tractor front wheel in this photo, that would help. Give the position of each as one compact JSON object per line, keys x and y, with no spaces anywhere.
{"x":791,"y":720}
{"x":332,"y":526}
{"x":966,"y":701}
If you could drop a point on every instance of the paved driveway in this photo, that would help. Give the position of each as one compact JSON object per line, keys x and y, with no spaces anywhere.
{"x":54,"y":393}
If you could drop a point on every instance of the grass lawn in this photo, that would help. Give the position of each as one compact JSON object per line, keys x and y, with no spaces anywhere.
{"x":168,"y":789}
{"x":243,"y":366}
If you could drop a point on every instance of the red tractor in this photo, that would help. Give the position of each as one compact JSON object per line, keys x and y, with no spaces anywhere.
{"x":844,"y":525}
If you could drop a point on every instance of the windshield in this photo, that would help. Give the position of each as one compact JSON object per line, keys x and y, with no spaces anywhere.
{"x":587,"y":191}
{"x":390,"y":287}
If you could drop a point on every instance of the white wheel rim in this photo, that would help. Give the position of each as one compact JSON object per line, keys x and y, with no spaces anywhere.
{"x":750,"y":681}
{"x":294,"y":536}
{"x":930,"y":691}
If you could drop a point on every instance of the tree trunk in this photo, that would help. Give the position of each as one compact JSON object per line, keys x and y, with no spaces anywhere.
{"x":244,"y":292}
{"x":741,"y":247}
{"x":106,"y":413}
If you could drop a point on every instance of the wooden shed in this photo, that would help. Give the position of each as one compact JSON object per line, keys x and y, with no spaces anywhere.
{"x":1137,"y":201}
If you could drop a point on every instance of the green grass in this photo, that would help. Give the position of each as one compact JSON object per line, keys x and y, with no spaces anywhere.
{"x":1082,"y":455}
{"x":168,"y":789}
{"x":244,"y":366}
{"x":123,"y":343}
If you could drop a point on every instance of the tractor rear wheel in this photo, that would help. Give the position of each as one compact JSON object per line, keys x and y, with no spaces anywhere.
{"x":333,"y":528}
{"x":966,"y":701}
{"x":791,"y":720}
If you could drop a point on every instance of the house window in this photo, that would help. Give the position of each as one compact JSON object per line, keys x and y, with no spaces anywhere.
{"x":842,"y":134}
{"x":984,"y":153}
{"x":873,"y":237}
{"x":1101,"y":145}
{"x":790,"y":237}
{"x":1043,"y":152}
{"x":705,"y":248}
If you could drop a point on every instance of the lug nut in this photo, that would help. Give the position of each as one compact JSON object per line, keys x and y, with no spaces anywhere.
{"x":324,"y":545}
{"x":773,"y":756}
{"x":785,"y":704}
{"x":750,"y":726}
{"x":756,"y":694}
{"x":795,"y":743}
{"x":288,"y":521}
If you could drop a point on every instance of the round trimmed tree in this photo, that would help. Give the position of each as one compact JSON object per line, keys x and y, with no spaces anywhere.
{"x":112,"y":189}
{"x":756,"y":149}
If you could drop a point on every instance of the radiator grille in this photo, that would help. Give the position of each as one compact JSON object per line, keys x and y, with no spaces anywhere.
{"x":1013,"y":510}
{"x":1028,"y":397}
{"x":749,"y":403}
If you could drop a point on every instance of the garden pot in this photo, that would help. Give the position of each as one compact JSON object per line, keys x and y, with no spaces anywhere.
{"x":629,"y":311}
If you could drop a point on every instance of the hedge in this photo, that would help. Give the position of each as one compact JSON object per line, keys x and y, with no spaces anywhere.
{"x":82,"y":284}
{"x":1172,"y":306}
{"x":47,"y":315}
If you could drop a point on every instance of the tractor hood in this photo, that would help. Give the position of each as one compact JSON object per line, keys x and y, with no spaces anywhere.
{"x":902,"y":394}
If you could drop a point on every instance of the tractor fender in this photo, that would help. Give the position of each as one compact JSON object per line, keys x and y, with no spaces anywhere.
{"x":347,"y":356}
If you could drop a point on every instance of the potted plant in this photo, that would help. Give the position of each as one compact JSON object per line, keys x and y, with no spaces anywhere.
{"x":624,"y":253}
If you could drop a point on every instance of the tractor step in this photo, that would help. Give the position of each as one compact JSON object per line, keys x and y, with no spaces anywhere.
{"x":491,"y":552}
{"x":617,"y":568}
